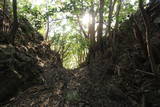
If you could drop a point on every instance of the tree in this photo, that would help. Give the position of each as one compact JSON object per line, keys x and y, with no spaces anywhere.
{"x":147,"y":36}
{"x":47,"y":22}
{"x":91,"y":32}
{"x":116,"y":29}
{"x":110,"y":16}
{"x":15,"y":22}
{"x":64,"y":17}
{"x":6,"y":6}
{"x":100,"y":26}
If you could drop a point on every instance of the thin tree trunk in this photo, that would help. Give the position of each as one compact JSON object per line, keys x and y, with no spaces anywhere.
{"x":147,"y":34}
{"x":139,"y":36}
{"x":111,"y":8}
{"x":15,"y":22}
{"x":4,"y":5}
{"x":117,"y":14}
{"x":115,"y":30}
{"x":47,"y":29}
{"x":92,"y":33}
{"x":47,"y":23}
{"x":100,"y":27}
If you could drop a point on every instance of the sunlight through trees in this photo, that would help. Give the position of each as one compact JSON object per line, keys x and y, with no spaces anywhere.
{"x":79,"y":24}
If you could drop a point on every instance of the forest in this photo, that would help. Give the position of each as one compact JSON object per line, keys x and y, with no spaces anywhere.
{"x":79,"y":53}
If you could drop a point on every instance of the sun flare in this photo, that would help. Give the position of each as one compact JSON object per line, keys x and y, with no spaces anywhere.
{"x":36,"y":2}
{"x":86,"y":19}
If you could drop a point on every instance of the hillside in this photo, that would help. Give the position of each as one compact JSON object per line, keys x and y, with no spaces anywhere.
{"x":32,"y":74}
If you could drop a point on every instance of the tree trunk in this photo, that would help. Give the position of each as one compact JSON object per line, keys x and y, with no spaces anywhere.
{"x":92,"y":33}
{"x":117,"y":14}
{"x":147,"y":34}
{"x":47,"y":23}
{"x":47,"y":29}
{"x":4,"y":5}
{"x":111,"y":8}
{"x":100,"y":27}
{"x":15,"y":21}
{"x":115,"y":30}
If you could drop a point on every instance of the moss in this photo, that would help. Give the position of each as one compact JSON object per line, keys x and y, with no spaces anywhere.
{"x":72,"y":95}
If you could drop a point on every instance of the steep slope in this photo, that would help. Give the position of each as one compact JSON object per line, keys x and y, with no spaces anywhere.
{"x":22,"y":63}
{"x":125,"y":82}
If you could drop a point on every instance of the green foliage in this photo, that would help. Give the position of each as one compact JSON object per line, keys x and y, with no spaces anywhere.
{"x":69,"y":46}
{"x":64,"y":31}
{"x":33,"y":14}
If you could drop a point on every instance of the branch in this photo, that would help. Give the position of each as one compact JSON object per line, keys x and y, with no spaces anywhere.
{"x":148,"y":73}
{"x":81,"y":27}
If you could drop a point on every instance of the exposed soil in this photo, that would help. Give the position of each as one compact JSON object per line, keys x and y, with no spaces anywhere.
{"x":31,"y":74}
